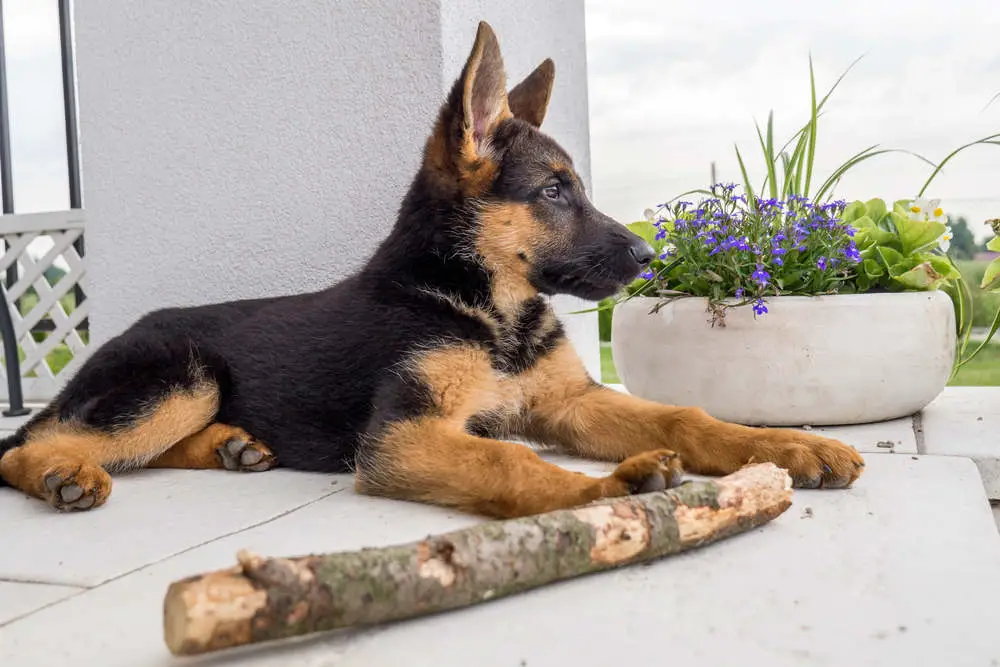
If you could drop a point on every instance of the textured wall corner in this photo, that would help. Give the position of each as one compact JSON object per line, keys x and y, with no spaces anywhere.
{"x":233,"y":150}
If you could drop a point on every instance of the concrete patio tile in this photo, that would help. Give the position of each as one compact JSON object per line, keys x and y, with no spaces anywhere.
{"x":10,"y":424}
{"x":151,"y":514}
{"x":17,"y":599}
{"x":965,"y":421}
{"x":894,"y":436}
{"x":857,"y":580}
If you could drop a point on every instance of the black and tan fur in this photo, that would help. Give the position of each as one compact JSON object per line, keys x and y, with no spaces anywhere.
{"x":414,"y":370}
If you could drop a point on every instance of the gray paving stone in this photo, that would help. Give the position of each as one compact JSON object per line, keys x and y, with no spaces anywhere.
{"x":894,"y":436}
{"x":900,"y":569}
{"x":151,"y":514}
{"x":965,"y":421}
{"x":17,"y":599}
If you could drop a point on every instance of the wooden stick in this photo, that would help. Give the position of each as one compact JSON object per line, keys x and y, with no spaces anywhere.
{"x":270,"y":598}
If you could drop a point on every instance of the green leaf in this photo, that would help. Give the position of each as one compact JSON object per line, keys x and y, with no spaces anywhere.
{"x":644,"y":230}
{"x":786,"y":170}
{"x":991,"y":279}
{"x":795,"y":166}
{"x":892,"y":258}
{"x":863,"y":221}
{"x":902,"y":206}
{"x":872,"y":268}
{"x":748,"y":189}
{"x":871,"y":252}
{"x":847,"y":165}
{"x":767,"y":147}
{"x":915,"y":235}
{"x":869,"y":230}
{"x":811,"y":150}
{"x":713,"y":276}
{"x":875,"y":208}
{"x":853,"y":211}
{"x":793,"y":279}
{"x":923,"y":276}
{"x":993,"y":244}
{"x":993,"y":139}
{"x":944,"y":267}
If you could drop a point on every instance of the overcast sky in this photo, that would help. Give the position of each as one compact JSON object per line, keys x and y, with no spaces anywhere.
{"x":34,"y":83}
{"x":674,"y":84}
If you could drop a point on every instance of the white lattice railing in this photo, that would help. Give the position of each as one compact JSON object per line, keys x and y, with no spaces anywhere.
{"x":42,"y":302}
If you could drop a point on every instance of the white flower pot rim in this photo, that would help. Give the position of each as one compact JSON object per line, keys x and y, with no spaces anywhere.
{"x":820,"y":360}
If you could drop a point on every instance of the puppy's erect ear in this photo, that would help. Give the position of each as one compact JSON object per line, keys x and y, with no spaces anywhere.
{"x":529,"y":99}
{"x":484,"y":89}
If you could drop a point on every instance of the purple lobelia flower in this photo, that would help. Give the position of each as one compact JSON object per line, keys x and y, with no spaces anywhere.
{"x":760,"y":275}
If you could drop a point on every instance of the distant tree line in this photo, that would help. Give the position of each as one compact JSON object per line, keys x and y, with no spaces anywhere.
{"x":963,"y":243}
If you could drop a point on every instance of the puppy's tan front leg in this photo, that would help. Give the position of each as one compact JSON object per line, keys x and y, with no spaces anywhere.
{"x":417,"y":448}
{"x":569,"y":410}
{"x":429,"y":460}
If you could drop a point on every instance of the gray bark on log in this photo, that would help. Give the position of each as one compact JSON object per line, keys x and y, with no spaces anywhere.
{"x":265,"y":599}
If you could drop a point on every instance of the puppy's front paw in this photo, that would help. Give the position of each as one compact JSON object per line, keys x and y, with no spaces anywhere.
{"x":650,"y":471}
{"x":812,"y":461}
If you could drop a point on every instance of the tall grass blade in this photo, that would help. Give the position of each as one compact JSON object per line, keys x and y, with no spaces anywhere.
{"x":811,"y":151}
{"x":991,"y":139}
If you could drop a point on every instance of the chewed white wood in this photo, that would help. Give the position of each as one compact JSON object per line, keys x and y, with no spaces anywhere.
{"x":62,"y":228}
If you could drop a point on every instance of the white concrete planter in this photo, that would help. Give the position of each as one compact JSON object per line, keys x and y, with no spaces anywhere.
{"x":844,"y":359}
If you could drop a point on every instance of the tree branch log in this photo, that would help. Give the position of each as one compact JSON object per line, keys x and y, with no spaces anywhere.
{"x":264,"y":599}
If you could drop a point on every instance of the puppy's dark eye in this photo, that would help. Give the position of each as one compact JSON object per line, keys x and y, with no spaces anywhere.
{"x":552,"y":192}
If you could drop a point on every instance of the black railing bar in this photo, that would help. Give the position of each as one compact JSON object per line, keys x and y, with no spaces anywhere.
{"x":69,"y":103}
{"x":6,"y":174}
{"x":14,"y":392}
{"x":6,"y":171}
{"x":13,"y":362}
{"x":70,"y":116}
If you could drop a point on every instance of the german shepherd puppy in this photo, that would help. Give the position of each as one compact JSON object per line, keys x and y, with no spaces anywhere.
{"x":411,"y":371}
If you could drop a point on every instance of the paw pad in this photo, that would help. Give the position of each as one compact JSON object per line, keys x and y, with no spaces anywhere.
{"x":245,"y":455}
{"x":77,"y":490}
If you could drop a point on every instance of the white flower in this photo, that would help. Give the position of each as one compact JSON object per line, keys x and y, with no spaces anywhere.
{"x":945,"y":240}
{"x":936,"y":213}
{"x":926,"y":209}
{"x":649,"y":214}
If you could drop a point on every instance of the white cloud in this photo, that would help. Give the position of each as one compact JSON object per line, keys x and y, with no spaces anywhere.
{"x":34,"y":84}
{"x":674,"y":85}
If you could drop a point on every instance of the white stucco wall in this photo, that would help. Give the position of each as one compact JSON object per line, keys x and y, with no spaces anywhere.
{"x":235,"y":149}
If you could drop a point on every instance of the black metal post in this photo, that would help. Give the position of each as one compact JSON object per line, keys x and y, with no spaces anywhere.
{"x":72,"y":131}
{"x":6,"y":172}
{"x":14,"y":391}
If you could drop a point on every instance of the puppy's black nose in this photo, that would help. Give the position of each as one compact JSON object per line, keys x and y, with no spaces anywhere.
{"x":642,"y":252}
